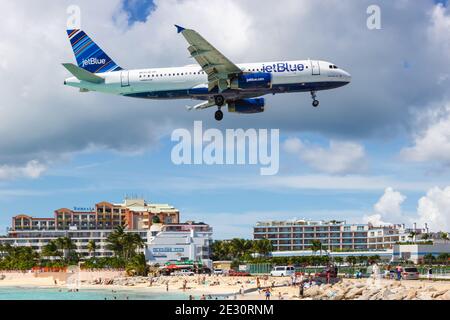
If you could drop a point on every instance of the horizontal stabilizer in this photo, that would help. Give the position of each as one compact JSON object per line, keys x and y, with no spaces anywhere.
{"x":82,"y":74}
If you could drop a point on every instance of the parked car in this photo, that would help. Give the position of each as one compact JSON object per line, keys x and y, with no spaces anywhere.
{"x":282,"y":271}
{"x":218,"y":271}
{"x":410,"y":273}
{"x":183,"y":272}
{"x":233,"y":273}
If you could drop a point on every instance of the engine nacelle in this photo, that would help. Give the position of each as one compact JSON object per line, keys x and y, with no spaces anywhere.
{"x":247,"y":106}
{"x":256,"y":80}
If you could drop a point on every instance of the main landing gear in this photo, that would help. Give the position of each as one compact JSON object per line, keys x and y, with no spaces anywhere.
{"x":218,"y":115}
{"x":315,"y":102}
{"x":220,"y":102}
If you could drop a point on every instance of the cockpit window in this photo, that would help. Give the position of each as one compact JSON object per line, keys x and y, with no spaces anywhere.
{"x":335,"y":67}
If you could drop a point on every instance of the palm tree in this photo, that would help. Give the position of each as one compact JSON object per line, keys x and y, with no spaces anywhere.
{"x":51,"y":250}
{"x":237,"y":248}
{"x":66,"y":245}
{"x":339,"y":260}
{"x":115,"y":242}
{"x":443,"y":258}
{"x":137,"y":265}
{"x":316,"y":245}
{"x":444,"y":236}
{"x":425,"y":236}
{"x":124,"y":244}
{"x":429,"y":258}
{"x":412,"y":235}
{"x":263,"y":247}
{"x":375,"y":258}
{"x":91,"y":246}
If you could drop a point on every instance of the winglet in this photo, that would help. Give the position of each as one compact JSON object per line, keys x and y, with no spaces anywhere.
{"x":180,"y":29}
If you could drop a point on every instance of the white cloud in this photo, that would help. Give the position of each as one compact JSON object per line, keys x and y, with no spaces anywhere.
{"x":432,"y":143}
{"x":341,"y":157}
{"x":434,"y":209}
{"x":33,"y":169}
{"x":388,"y":209}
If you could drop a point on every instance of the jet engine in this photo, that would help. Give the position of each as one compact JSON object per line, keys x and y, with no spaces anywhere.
{"x":247,"y":106}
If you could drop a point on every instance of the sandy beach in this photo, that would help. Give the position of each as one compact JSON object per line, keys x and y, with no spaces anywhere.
{"x":241,"y":288}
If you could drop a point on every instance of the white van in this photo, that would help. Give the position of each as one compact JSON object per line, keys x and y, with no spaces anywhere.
{"x":282,"y":271}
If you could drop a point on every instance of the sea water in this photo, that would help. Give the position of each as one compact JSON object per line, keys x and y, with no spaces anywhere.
{"x":37,"y":293}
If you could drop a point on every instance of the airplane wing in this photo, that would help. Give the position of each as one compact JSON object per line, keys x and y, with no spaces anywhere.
{"x":218,"y":67}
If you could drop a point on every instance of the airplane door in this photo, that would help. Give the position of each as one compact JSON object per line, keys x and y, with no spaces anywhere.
{"x":125,"y":78}
{"x":315,"y":67}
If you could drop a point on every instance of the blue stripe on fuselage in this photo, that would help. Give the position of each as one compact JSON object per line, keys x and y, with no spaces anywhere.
{"x":279,"y":88}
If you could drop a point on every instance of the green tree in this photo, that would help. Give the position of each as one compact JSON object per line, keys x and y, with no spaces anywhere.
{"x":316,"y":245}
{"x":18,"y":258}
{"x":443,"y":258}
{"x":444,"y":236}
{"x":263,"y":247}
{"x":425,"y":236}
{"x":91,"y":246}
{"x":375,"y":258}
{"x":156,"y":219}
{"x":339,"y":260}
{"x":124,"y":244}
{"x":412,"y":235}
{"x":429,"y":258}
{"x":137,"y":265}
{"x":51,"y":250}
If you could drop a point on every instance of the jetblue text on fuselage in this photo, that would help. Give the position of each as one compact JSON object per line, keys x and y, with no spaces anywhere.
{"x":283,"y":67}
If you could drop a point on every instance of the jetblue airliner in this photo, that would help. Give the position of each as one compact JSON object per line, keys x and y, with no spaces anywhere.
{"x":215,"y":80}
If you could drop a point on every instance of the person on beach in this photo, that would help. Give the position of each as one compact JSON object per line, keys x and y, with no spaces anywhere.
{"x":328,"y":275}
{"x":302,"y":288}
{"x":280,"y":297}
{"x":430,"y":273}
{"x":267,"y":294}
{"x":399,"y":272}
{"x":191,"y":297}
{"x":167,"y":286}
{"x":258,"y":284}
{"x":203,"y":297}
{"x":184,"y":285}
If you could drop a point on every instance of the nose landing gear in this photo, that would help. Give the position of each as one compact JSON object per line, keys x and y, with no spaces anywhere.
{"x":315,"y":102}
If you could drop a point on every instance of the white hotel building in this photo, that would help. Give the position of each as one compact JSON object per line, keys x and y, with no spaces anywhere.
{"x":298,"y":235}
{"x":179,"y":242}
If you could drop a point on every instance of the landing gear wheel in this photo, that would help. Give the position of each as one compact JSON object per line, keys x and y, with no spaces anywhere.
{"x":315,"y":101}
{"x":219,"y":100}
{"x":218,"y":115}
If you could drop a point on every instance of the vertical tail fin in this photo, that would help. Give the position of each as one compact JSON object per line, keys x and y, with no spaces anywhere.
{"x":89,"y":55}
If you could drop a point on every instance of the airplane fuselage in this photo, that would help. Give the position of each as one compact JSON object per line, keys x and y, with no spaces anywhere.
{"x":190,"y":82}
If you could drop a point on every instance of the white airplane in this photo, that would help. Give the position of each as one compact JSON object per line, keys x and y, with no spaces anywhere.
{"x":215,"y":79}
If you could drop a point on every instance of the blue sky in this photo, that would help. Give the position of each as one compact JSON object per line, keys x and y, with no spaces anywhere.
{"x":65,"y":149}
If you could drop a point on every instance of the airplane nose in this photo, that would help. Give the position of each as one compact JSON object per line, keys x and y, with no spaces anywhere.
{"x":347,"y":76}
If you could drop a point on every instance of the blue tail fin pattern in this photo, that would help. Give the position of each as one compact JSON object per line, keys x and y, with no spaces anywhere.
{"x":89,"y":55}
